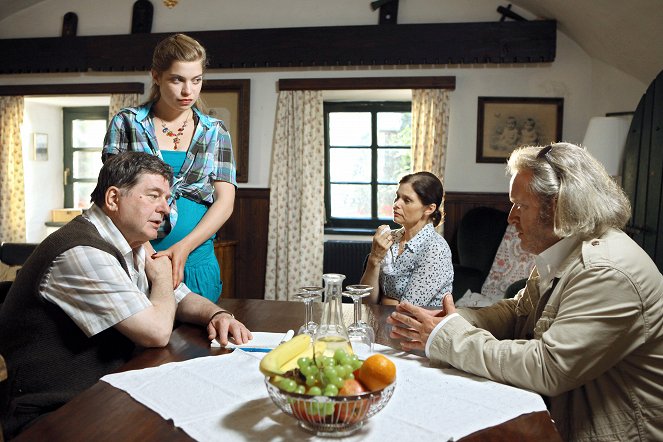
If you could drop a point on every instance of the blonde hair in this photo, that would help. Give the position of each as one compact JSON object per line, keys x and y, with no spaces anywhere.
{"x":177,"y":47}
{"x":588,"y":201}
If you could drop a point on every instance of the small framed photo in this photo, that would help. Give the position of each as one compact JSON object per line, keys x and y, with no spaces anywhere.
{"x":40,"y":147}
{"x":505,"y":123}
{"x":229,"y":100}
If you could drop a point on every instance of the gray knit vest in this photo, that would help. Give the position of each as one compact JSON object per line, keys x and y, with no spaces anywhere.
{"x":49,"y":359}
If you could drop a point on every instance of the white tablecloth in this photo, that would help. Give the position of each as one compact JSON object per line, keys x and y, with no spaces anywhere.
{"x":224,"y":398}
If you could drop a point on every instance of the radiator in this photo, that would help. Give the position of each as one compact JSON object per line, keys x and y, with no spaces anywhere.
{"x":347,"y":258}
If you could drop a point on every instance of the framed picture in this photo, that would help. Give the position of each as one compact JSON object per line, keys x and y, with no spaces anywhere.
{"x":230,"y":100}
{"x":40,"y":147}
{"x":505,"y":123}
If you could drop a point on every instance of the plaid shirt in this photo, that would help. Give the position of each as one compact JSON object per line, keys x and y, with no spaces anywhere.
{"x":208,"y":159}
{"x":92,"y":288}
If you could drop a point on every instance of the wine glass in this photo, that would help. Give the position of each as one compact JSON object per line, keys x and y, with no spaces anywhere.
{"x":361,"y":333}
{"x":308,"y":295}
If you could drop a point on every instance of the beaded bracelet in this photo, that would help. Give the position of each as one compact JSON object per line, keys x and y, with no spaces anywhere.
{"x":218,"y":313}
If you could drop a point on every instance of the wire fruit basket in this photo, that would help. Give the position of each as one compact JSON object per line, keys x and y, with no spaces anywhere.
{"x":332,"y":416}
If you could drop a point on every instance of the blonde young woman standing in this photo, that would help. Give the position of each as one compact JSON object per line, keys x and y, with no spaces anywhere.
{"x":197,"y":146}
{"x":412,"y":263}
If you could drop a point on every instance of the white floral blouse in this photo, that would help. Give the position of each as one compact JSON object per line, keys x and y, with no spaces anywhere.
{"x":422,"y":273}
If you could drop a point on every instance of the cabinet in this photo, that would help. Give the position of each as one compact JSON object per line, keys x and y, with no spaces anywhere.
{"x":224,"y":250}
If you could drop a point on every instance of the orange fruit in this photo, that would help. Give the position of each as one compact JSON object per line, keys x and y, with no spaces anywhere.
{"x":377,"y":372}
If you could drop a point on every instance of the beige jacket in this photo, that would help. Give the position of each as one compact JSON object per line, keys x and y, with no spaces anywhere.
{"x":595,"y":348}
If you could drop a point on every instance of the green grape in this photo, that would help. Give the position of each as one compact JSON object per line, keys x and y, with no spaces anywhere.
{"x":342,"y":371}
{"x":308,"y":370}
{"x":355,"y":362}
{"x":330,"y":372}
{"x":301,"y":389}
{"x":350,"y":375}
{"x":314,"y":391}
{"x":304,"y":362}
{"x":330,"y":390}
{"x":311,"y":380}
{"x":328,"y":361}
{"x":341,"y":356}
{"x":288,"y":385}
{"x":337,"y":381}
{"x":348,"y":371}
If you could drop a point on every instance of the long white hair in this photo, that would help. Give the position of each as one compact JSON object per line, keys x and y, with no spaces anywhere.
{"x":587,"y":200}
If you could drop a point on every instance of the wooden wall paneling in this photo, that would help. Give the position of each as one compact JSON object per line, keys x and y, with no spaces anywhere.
{"x":249,"y":226}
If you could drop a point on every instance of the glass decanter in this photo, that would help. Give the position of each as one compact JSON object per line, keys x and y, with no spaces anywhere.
{"x":332,"y":334}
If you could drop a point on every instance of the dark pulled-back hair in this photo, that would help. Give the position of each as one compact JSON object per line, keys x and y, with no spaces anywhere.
{"x":123,"y":171}
{"x":429,"y":189}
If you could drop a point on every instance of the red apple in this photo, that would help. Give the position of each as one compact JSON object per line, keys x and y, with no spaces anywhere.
{"x":351,"y":387}
{"x":351,"y":411}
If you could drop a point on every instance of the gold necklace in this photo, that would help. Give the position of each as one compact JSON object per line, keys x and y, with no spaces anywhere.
{"x":175,"y":136}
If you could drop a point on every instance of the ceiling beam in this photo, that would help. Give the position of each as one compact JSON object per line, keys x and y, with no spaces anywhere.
{"x":362,"y":83}
{"x":411,"y":44}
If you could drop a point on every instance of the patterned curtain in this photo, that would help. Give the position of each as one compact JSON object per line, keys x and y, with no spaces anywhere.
{"x":296,"y":206}
{"x":12,"y":191}
{"x":119,"y":101}
{"x":430,"y":129}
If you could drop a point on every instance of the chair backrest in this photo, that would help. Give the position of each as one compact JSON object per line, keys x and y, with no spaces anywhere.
{"x":14,"y":253}
{"x":479,"y":235}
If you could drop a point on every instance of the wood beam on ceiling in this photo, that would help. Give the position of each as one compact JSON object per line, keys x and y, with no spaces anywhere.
{"x":374,"y":45}
{"x":73,"y":89}
{"x":330,"y":84}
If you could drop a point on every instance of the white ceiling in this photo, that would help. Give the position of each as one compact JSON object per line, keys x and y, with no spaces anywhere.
{"x":624,"y":34}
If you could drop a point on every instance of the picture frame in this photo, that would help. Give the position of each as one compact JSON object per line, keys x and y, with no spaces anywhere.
{"x":230,"y":101}
{"x":40,"y":147}
{"x":505,"y":123}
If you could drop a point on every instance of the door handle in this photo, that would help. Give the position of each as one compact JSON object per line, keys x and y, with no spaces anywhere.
{"x":65,"y":175}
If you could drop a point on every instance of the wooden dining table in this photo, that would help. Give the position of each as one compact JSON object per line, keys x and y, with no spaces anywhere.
{"x":105,"y":413}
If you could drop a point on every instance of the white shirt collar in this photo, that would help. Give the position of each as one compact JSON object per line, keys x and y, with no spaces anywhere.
{"x":549,"y":261}
{"x":111,"y":234}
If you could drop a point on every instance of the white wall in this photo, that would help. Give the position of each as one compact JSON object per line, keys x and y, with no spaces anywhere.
{"x":43,"y":179}
{"x":589,"y":87}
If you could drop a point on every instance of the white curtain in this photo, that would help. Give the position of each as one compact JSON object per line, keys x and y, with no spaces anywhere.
{"x":12,"y":191}
{"x":296,"y":206}
{"x":119,"y":101}
{"x":430,"y":129}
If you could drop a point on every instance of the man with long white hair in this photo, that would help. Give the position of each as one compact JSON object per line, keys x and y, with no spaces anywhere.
{"x":587,"y":330}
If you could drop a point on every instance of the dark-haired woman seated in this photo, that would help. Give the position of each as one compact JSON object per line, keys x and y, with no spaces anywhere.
{"x":412,"y":263}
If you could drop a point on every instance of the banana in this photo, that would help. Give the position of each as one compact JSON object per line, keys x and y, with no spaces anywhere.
{"x":308,"y":352}
{"x":275,"y":360}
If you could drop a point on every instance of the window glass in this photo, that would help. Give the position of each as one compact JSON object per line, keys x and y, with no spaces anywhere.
{"x":393,"y":164}
{"x":82,"y":192}
{"x":394,"y":128}
{"x":88,"y":133}
{"x":386,"y":196}
{"x":367,"y":152}
{"x":87,"y":164}
{"x":350,"y":201}
{"x":83,"y":130}
{"x":350,"y":165}
{"x":349,"y":129}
